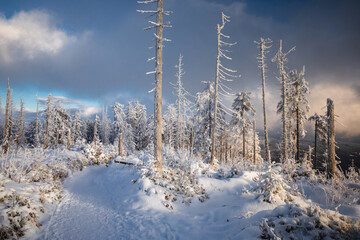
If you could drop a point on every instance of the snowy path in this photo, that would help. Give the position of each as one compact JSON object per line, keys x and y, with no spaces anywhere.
{"x":103,"y":203}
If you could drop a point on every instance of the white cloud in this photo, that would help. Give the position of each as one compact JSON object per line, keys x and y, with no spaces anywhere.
{"x":27,"y":35}
{"x":346,"y":104}
{"x":84,"y":109}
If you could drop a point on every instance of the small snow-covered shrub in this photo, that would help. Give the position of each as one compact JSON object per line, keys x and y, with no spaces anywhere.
{"x":97,"y":155}
{"x":179,"y":181}
{"x":272,"y":188}
{"x":292,"y":221}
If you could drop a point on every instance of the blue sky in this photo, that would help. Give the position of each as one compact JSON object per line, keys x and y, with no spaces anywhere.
{"x":96,"y":51}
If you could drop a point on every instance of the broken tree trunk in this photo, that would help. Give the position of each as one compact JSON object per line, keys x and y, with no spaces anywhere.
{"x":331,"y":138}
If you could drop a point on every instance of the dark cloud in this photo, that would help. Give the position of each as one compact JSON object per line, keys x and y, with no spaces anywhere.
{"x":107,"y":58}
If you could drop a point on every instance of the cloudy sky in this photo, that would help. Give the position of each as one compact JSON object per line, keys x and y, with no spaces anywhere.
{"x":95,"y":52}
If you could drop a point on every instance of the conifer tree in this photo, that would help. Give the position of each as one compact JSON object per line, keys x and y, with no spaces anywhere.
{"x":6,"y":127}
{"x":48,"y":115}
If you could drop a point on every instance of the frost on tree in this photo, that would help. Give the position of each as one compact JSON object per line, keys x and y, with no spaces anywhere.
{"x":319,"y":135}
{"x":158,"y":25}
{"x":223,"y":75}
{"x":242,"y":107}
{"x":76,"y":128}
{"x":262,"y":45}
{"x":203,"y":119}
{"x":298,"y":108}
{"x":122,"y":127}
{"x":183,"y":105}
{"x":280,"y":59}
{"x":6,"y":127}
{"x":136,"y":118}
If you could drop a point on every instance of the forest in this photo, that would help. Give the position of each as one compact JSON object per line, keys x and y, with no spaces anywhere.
{"x":204,"y":148}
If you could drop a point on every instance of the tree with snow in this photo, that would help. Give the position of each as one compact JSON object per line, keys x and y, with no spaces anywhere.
{"x":48,"y":115}
{"x":183,"y":105}
{"x":203,"y":119}
{"x":6,"y":127}
{"x":298,"y":105}
{"x":76,"y":128}
{"x":170,"y":125}
{"x":242,"y":107}
{"x":280,"y":59}
{"x":222,"y":75}
{"x":320,"y":133}
{"x":262,"y":45}
{"x":96,"y":130}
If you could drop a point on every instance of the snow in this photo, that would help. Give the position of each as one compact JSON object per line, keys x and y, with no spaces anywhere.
{"x":102,"y":199}
{"x":104,"y":203}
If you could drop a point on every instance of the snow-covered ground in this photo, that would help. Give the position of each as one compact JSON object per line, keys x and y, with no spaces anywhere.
{"x":99,"y":199}
{"x":104,"y":203}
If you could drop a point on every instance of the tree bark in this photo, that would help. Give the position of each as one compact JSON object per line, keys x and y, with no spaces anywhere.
{"x":331,"y":138}
{"x":284,"y":117}
{"x":191,"y":142}
{"x":297,"y":127}
{"x":244,"y":144}
{"x":37,"y":122}
{"x":121,"y":145}
{"x":47,"y":124}
{"x":69,"y":139}
{"x":315,"y":144}
{"x":158,"y":92}
{"x":95,"y":131}
{"x":254,"y":143}
{"x":262,"y":49}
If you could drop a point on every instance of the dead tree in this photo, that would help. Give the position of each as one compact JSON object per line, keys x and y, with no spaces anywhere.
{"x":331,"y":138}
{"x":158,"y":25}
{"x":121,"y":145}
{"x":222,"y":74}
{"x":69,"y":139}
{"x":280,"y":59}
{"x":254,"y":142}
{"x":37,"y":122}
{"x":261,"y":59}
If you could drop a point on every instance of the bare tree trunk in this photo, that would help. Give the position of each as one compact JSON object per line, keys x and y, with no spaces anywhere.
{"x":6,"y":136}
{"x":57,"y":137}
{"x":21,"y":130}
{"x":315,"y":144}
{"x":37,"y":122}
{"x":284,"y":116}
{"x":158,"y":91}
{"x":69,"y":139}
{"x":95,"y":130}
{"x":254,"y":143}
{"x":331,"y":138}
{"x":191,"y":142}
{"x":262,"y":65}
{"x":121,"y":145}
{"x":244,"y":143}
{"x":10,"y":116}
{"x":47,"y":124}
{"x":297,"y":127}
{"x":63,"y":134}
